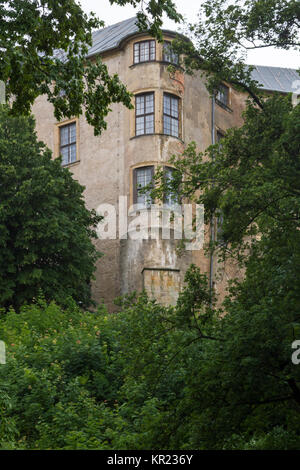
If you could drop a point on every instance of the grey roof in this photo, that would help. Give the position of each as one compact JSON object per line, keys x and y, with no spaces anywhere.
{"x":110,"y":37}
{"x":276,"y":78}
{"x":106,"y":39}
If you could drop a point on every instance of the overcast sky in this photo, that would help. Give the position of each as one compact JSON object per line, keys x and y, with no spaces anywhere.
{"x":189,"y":9}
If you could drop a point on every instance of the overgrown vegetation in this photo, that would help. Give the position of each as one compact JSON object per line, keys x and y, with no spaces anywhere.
{"x":194,"y":376}
{"x":150,"y":377}
{"x":46,"y":232}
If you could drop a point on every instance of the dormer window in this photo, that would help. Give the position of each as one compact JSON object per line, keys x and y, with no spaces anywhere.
{"x":169,"y":55}
{"x":144,"y":51}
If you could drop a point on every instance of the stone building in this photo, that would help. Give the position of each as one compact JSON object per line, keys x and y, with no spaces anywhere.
{"x":170,"y":110}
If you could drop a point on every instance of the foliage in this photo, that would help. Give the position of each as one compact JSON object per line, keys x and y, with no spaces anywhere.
{"x":44,"y":42}
{"x":226,"y":30}
{"x":57,"y":376}
{"x":151,"y":377}
{"x":246,"y":392}
{"x":45,"y":230}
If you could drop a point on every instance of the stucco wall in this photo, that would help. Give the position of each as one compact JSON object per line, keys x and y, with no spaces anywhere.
{"x":105,"y":166}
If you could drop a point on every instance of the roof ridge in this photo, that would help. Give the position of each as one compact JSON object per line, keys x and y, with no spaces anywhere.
{"x":113,"y":25}
{"x":274,"y":67}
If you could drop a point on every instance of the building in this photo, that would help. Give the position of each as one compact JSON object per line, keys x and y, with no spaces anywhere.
{"x":170,"y":110}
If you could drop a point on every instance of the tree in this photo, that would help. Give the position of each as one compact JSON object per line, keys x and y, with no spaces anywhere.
{"x":226,"y":30}
{"x":43,"y":46}
{"x":247,"y":384}
{"x":45,"y":230}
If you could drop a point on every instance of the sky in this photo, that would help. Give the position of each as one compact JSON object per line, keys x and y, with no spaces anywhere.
{"x":189,"y":9}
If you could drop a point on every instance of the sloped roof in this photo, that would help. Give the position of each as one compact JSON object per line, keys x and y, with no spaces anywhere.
{"x":276,"y":78}
{"x":110,"y":37}
{"x":105,"y":39}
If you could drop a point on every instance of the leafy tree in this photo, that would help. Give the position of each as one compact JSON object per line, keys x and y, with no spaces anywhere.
{"x":151,"y":377}
{"x":45,"y":230}
{"x":247,"y":387}
{"x":227,"y":30}
{"x":57,"y":379}
{"x":43,"y":47}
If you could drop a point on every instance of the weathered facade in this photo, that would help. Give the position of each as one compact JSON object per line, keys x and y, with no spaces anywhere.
{"x":170,"y":110}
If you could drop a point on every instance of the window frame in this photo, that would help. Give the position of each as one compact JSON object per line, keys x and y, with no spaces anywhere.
{"x":148,"y":93}
{"x":220,"y":101}
{"x":139,"y":51}
{"x":170,"y":95}
{"x":134,"y":183}
{"x":70,"y":143}
{"x":219,"y":136}
{"x":176,"y":202}
{"x":169,"y":43}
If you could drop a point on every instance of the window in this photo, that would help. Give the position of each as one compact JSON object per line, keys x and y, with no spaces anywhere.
{"x":67,"y":143}
{"x":220,"y":136}
{"x":219,"y":235}
{"x":223,"y":95}
{"x":170,"y":198}
{"x":142,"y":177}
{"x":144,"y":51}
{"x":169,"y":55}
{"x":144,"y":114}
{"x":171,"y":115}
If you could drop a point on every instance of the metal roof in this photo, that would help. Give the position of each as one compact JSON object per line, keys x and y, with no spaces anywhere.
{"x":106,"y":39}
{"x":276,"y":78}
{"x":110,"y":37}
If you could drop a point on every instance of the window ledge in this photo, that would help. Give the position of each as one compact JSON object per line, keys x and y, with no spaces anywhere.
{"x":143,"y":63}
{"x":68,"y":165}
{"x":224,"y":106}
{"x":163,"y":62}
{"x":158,"y":134}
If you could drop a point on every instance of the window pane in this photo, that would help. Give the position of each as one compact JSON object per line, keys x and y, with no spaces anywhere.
{"x":222,"y":94}
{"x":174,"y":107}
{"x":167,"y":104}
{"x":167,"y":125}
{"x":72,"y":153}
{"x":169,"y":54}
{"x":140,"y":127}
{"x":150,"y":124}
{"x":149,"y":103}
{"x":152,"y":50}
{"x":65,"y":155}
{"x":136,"y":53}
{"x":143,"y":178}
{"x":72,"y":133}
{"x":144,"y":51}
{"x":64,"y":135}
{"x":140,"y":105}
{"x":170,"y":198}
{"x":174,"y":130}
